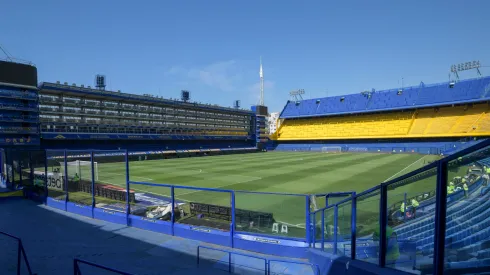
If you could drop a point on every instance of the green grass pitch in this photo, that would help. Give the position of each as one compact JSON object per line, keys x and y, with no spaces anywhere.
{"x":282,"y":172}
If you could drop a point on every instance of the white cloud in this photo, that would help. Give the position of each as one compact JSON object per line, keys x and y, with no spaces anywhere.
{"x":231,"y":78}
{"x":220,"y":75}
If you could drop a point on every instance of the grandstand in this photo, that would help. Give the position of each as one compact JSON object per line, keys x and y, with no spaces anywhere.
{"x":444,"y":110}
{"x":111,"y":120}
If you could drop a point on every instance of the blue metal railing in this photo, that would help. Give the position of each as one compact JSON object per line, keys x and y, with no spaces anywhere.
{"x":77,"y":271}
{"x":21,"y":253}
{"x":314,"y":267}
{"x":439,"y":168}
{"x":230,"y":253}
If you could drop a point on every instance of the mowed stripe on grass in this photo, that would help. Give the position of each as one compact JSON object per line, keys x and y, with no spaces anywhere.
{"x":268,"y":172}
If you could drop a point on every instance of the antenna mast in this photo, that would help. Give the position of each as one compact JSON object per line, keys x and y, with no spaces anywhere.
{"x":261,"y":73}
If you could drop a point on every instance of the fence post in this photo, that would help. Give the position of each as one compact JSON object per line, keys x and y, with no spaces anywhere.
{"x":233,"y":220}
{"x":229,"y":262}
{"x":93,"y":179}
{"x":440,"y":218}
{"x":323,"y":230}
{"x":172,"y":213}
{"x":404,"y":206}
{"x":335,"y":225}
{"x":46,"y":190}
{"x":313,"y":229}
{"x":19,"y":247}
{"x":383,"y":219}
{"x":31,"y":169}
{"x":19,"y":166}
{"x":75,"y":267}
{"x":66,"y":178}
{"x":1,"y":161}
{"x":128,"y":197}
{"x":308,"y":222}
{"x":353,"y":226}
{"x":197,"y":253}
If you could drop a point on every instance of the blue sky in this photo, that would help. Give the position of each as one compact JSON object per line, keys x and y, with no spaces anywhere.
{"x":212,"y":48}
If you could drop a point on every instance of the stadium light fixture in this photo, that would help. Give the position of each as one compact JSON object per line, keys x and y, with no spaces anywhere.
{"x":465,"y":66}
{"x":297,"y":94}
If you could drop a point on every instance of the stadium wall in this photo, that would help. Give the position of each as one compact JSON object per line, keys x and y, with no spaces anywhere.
{"x":392,"y":146}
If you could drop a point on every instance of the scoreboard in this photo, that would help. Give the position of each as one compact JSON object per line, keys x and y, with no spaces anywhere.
{"x":17,"y":73}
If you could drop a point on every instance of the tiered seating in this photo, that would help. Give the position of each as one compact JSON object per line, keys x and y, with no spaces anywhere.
{"x":463,"y":120}
{"x":473,"y":90}
{"x":347,"y":127}
{"x":467,"y":231}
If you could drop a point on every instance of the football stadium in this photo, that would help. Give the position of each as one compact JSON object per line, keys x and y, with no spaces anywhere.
{"x":379,"y":182}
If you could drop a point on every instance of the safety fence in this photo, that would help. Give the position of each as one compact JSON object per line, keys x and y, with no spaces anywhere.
{"x":21,"y":256}
{"x":251,"y":263}
{"x":442,"y":235}
{"x":356,"y":225}
{"x":77,"y":270}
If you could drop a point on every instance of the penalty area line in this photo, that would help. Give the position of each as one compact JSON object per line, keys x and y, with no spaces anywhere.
{"x":300,"y":225}
{"x":221,"y":186}
{"x":131,"y":176}
{"x":404,"y":169}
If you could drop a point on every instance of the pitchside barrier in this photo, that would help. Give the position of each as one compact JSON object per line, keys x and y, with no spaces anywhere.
{"x":93,"y":268}
{"x":353,"y":225}
{"x":13,"y":259}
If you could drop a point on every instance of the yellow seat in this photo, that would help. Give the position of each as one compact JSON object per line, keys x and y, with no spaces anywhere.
{"x":430,"y":122}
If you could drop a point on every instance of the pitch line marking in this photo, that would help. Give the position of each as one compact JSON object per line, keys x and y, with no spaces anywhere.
{"x":221,"y":186}
{"x":404,"y":169}
{"x":125,"y":175}
{"x":292,"y":225}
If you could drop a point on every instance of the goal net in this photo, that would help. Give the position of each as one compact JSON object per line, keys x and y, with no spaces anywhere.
{"x":83,"y":169}
{"x":331,"y":149}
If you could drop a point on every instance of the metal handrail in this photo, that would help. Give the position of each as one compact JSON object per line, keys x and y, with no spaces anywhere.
{"x":76,"y":267}
{"x":20,"y":252}
{"x":314,"y":266}
{"x":229,"y":256}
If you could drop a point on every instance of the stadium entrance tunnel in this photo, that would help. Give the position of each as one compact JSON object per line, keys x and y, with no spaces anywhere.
{"x":433,"y":220}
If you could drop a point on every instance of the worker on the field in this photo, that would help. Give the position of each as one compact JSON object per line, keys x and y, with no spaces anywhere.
{"x":465,"y":188}
{"x":76,"y":178}
{"x":415,"y":204}
{"x":450,"y":188}
{"x":402,"y":209}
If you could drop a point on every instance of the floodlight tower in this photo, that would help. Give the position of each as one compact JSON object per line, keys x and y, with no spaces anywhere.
{"x":261,"y":74}
{"x":465,"y":67}
{"x":297,"y":94}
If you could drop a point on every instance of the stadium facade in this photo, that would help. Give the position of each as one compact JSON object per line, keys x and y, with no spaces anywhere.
{"x":111,"y":120}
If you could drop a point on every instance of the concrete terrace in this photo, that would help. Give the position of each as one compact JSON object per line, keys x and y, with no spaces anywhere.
{"x":53,"y":238}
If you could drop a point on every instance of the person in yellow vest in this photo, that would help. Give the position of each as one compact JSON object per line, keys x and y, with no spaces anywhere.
{"x":450,"y":188}
{"x":415,"y":204}
{"x":402,"y":210}
{"x":465,"y":188}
